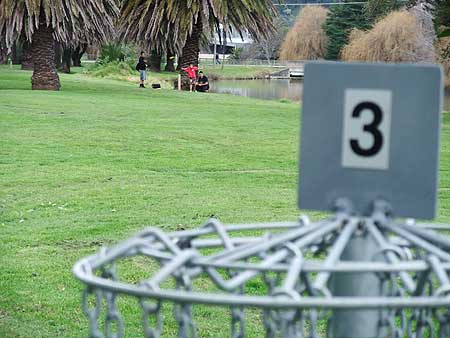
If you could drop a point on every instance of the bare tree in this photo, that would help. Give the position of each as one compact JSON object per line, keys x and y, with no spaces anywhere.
{"x":307,"y":39}
{"x":401,"y":36}
{"x":267,"y":48}
{"x":443,"y":57}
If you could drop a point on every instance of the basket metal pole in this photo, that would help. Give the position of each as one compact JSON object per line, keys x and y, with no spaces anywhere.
{"x":357,"y":323}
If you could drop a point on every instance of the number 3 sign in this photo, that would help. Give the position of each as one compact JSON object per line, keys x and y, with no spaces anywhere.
{"x":367,"y":124}
{"x":370,"y":132}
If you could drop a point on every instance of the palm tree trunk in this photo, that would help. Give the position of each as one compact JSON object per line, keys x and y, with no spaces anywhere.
{"x":27,"y":57}
{"x":66,"y":59}
{"x":44,"y":76}
{"x":155,"y":61}
{"x":190,"y":52}
{"x":170,"y":66}
{"x":3,"y":56}
{"x":58,"y":55}
{"x":3,"y":53}
{"x":77,"y":53}
{"x":14,"y":54}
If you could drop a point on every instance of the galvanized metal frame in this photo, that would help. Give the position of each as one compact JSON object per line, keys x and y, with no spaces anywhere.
{"x":408,"y":265}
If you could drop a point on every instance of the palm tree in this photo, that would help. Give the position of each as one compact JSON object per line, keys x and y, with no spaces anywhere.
{"x":43,"y":22}
{"x":181,"y":23}
{"x":27,"y":57}
{"x":3,"y":51}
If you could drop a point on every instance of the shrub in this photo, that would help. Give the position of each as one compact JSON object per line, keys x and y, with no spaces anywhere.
{"x":235,"y":56}
{"x":114,"y":51}
{"x":399,"y":37}
{"x":306,"y":40}
{"x":113,"y":69}
{"x":443,"y":57}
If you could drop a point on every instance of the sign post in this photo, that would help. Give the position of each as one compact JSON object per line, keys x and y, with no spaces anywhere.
{"x":369,"y":133}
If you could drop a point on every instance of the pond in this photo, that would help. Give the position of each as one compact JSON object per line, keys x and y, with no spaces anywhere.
{"x":274,"y":89}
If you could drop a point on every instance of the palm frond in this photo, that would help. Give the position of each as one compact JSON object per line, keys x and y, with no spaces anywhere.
{"x":161,"y":23}
{"x":71,"y":20}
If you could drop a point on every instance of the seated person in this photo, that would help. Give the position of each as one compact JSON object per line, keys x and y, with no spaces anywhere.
{"x":202,"y":83}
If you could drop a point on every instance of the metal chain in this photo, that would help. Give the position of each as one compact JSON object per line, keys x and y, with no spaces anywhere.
{"x":237,"y":322}
{"x":444,"y":323}
{"x":269,"y":323}
{"x":423,"y":323}
{"x":388,"y":318}
{"x":238,"y":319}
{"x":415,"y":322}
{"x":93,"y":313}
{"x":183,"y":311}
{"x":292,"y":324}
{"x":286,"y":323}
{"x":113,"y":316}
{"x":269,"y":315}
{"x":151,"y":309}
{"x":312,"y":318}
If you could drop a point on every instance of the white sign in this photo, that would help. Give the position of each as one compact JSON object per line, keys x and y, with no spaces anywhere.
{"x":367,"y":128}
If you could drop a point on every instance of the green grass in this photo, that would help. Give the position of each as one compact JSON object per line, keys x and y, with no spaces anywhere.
{"x":99,"y":160}
{"x":237,"y":72}
{"x":124,"y":71}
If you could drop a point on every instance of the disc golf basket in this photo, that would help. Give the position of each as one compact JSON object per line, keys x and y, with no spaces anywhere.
{"x":398,"y":286}
{"x":358,"y":274}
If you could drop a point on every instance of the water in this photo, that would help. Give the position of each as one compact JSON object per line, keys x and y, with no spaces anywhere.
{"x":274,"y":89}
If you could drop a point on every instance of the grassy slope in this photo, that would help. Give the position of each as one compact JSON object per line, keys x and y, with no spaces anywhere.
{"x":95,"y":162}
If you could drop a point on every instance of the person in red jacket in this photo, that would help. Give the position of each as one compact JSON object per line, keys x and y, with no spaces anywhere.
{"x":192,"y":74}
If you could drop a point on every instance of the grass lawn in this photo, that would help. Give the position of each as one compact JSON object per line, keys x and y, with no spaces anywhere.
{"x":124,"y":72}
{"x":237,"y":71}
{"x":95,"y":162}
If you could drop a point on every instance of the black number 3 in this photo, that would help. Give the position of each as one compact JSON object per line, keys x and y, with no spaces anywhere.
{"x":371,"y":128}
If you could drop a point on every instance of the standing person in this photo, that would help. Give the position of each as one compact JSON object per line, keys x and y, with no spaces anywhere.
{"x":202,"y":83}
{"x":141,"y":67}
{"x":192,"y":74}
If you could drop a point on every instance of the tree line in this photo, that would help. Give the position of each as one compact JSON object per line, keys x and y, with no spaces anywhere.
{"x":159,"y":26}
{"x":374,"y":31}
{"x":55,"y":34}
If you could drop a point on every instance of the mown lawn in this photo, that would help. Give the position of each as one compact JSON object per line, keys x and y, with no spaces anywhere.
{"x":237,"y":71}
{"x":99,"y":160}
{"x":123,"y":72}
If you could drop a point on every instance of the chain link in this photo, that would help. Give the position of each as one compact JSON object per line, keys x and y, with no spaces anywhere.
{"x":93,"y":312}
{"x":444,"y":323}
{"x":423,"y":323}
{"x":285,"y":323}
{"x":419,"y":322}
{"x":183,"y":311}
{"x":113,"y":317}
{"x":237,"y":322}
{"x":151,"y":310}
